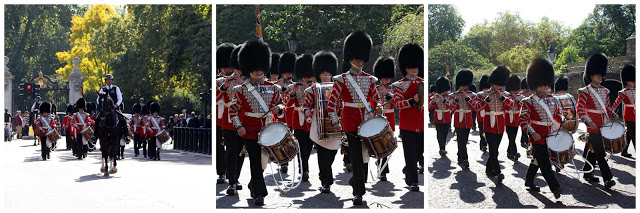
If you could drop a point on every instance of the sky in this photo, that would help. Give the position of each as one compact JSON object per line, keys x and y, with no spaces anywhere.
{"x":570,"y":13}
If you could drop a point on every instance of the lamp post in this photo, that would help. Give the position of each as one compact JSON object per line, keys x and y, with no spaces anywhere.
{"x":551,"y":54}
{"x":293,"y":42}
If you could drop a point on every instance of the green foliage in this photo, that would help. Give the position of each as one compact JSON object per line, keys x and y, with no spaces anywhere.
{"x":460,"y":56}
{"x":517,"y":58}
{"x":570,"y":54}
{"x":510,"y":30}
{"x":409,"y":29}
{"x":445,"y":24}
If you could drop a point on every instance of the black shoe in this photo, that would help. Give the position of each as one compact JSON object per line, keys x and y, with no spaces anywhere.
{"x":158,"y":157}
{"x":357,"y":200}
{"x":238,"y":186}
{"x":517,"y":155}
{"x":231,"y":190}
{"x":626,"y":155}
{"x":145,"y":156}
{"x":284,"y":168}
{"x":442,"y":152}
{"x":136,"y":155}
{"x":610,"y":183}
{"x":490,"y":174}
{"x":465,"y":163}
{"x":483,"y":148}
{"x":349,"y":167}
{"x":590,"y":178}
{"x":532,"y":187}
{"x":557,"y":193}
{"x":414,"y":187}
{"x":48,"y":156}
{"x":325,"y":189}
{"x":305,"y":177}
{"x":500,"y":178}
{"x":259,"y":201}
{"x":511,"y":157}
{"x":221,"y":179}
{"x":383,"y":177}
{"x":421,"y":169}
{"x":557,"y":169}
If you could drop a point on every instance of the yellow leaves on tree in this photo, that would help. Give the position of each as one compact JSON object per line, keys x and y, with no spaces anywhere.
{"x":92,"y":65}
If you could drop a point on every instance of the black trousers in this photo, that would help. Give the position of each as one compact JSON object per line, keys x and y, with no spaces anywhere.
{"x":347,"y":156}
{"x":493,"y":165}
{"x":139,"y":142}
{"x":541,"y":155}
{"x":512,"y":132}
{"x":80,"y":148}
{"x":420,"y":149}
{"x":598,"y":155}
{"x":473,"y":118}
{"x":410,"y":141}
{"x":359,"y":167}
{"x":121,"y":153}
{"x":431,"y":112}
{"x":256,"y":185}
{"x":306,"y":146}
{"x":45,"y":151}
{"x":234,"y":161}
{"x":152,"y":147}
{"x":442,"y":130}
{"x":220,"y":153}
{"x":631,"y":135}
{"x":68,"y":139}
{"x":524,"y":138}
{"x":325,"y":160}
{"x":483,"y":139}
{"x":462,"y":135}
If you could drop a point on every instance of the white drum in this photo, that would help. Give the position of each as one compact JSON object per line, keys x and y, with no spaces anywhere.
{"x":613,"y":137}
{"x":560,"y":147}
{"x":377,"y":136}
{"x":278,"y":143}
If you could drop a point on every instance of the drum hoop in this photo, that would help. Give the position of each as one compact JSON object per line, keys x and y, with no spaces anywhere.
{"x":273,"y":123}
{"x":371,"y":118}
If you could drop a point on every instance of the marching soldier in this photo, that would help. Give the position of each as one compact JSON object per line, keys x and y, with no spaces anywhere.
{"x":463,"y":102}
{"x":223,"y":54}
{"x":524,"y":138}
{"x":274,"y":73}
{"x":406,"y":99}
{"x":480,"y":96}
{"x":45,"y":123}
{"x":512,"y":123}
{"x":252,"y":100}
{"x":81,"y":122}
{"x":432,"y":91}
{"x":137,"y":129}
{"x":627,"y":97}
{"x":495,"y":102}
{"x":385,"y":70}
{"x":295,"y":100}
{"x":442,"y":117}
{"x":66,"y":125}
{"x":154,"y":124}
{"x":474,"y":89}
{"x":540,"y":115}
{"x":286,"y":67}
{"x":357,"y":90}
{"x":325,"y":66}
{"x":594,"y":110}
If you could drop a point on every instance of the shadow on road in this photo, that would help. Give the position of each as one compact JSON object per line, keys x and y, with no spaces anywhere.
{"x":441,"y":168}
{"x":93,"y":177}
{"x":467,"y":184}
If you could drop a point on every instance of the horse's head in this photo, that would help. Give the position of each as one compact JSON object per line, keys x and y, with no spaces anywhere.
{"x":105,"y":103}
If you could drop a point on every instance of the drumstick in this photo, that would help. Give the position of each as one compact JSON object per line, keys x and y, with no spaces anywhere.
{"x":265,"y":114}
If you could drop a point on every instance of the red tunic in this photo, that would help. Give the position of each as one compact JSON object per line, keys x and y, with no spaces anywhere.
{"x":462,"y":109}
{"x":79,"y":126}
{"x":41,"y":124}
{"x":296,"y":108}
{"x":442,"y":114}
{"x":512,"y":117}
{"x":480,"y":96}
{"x":245,"y":103}
{"x":353,"y":110}
{"x":627,"y":97}
{"x":388,"y":108}
{"x":136,"y":125}
{"x":150,"y":126}
{"x":410,"y":118}
{"x":495,"y":110}
{"x":534,"y":118}
{"x":224,"y":102}
{"x":66,"y":123}
{"x":589,"y":109}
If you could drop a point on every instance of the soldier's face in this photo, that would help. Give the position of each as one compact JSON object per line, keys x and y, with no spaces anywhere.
{"x":256,"y":75}
{"x":596,"y":79}
{"x":631,"y":83}
{"x":412,"y":71}
{"x":288,"y":75}
{"x":385,"y":81}
{"x":325,"y":77}
{"x":356,"y":64}
{"x":464,"y":88}
{"x":227,"y":70}
{"x":542,"y":89}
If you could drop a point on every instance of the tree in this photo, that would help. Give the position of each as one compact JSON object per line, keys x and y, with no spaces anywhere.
{"x":546,"y":33}
{"x":510,"y":30}
{"x":517,"y":58}
{"x":479,"y":38}
{"x":460,"y":56}
{"x":409,"y":29}
{"x":568,"y":55}
{"x":445,"y":23}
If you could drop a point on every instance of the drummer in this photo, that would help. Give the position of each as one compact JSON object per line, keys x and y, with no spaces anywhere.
{"x":81,"y":122}
{"x":594,"y":110}
{"x":286,"y":67}
{"x":357,"y":89}
{"x":627,"y":97}
{"x":325,"y":66}
{"x":45,"y":123}
{"x":294,"y":100}
{"x":540,"y":115}
{"x":385,"y":70}
{"x":255,"y":98}
{"x":511,"y":117}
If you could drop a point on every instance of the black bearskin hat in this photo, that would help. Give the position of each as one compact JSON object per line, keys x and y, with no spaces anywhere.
{"x":464,"y":77}
{"x":410,"y":56}
{"x":628,"y":73}
{"x":254,"y":55}
{"x":81,"y":104}
{"x":513,"y":83}
{"x":540,"y":73}
{"x":69,"y":108}
{"x":473,"y":88}
{"x":275,"y":57}
{"x":45,"y":107}
{"x":442,"y":85}
{"x":596,"y":64}
{"x":54,"y":108}
{"x":137,"y":108}
{"x":324,"y":61}
{"x":562,"y":84}
{"x":432,"y":88}
{"x":90,"y":107}
{"x":233,"y":59}
{"x":304,"y":66}
{"x":384,"y":67}
{"x":223,"y":55}
{"x":145,"y":108}
{"x":287,"y":63}
{"x":499,"y":75}
{"x":357,"y":45}
{"x":155,"y":107}
{"x":484,"y":82}
{"x":523,"y":83}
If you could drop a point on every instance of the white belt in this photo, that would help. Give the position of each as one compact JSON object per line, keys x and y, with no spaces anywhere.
{"x":629,"y":105}
{"x":439,"y":111}
{"x":354,"y":105}
{"x":254,"y":114}
{"x":597,"y":111}
{"x":493,"y":117}
{"x":300,"y":115}
{"x":388,"y":111}
{"x":461,"y":114}
{"x":482,"y":113}
{"x":221,"y":106}
{"x":541,"y":123}
{"x":510,"y":112}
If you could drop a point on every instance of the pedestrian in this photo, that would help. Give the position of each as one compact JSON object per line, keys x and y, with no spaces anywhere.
{"x":7,"y":125}
{"x":18,"y":123}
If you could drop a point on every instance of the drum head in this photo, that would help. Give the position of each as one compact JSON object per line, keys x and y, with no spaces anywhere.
{"x":272,"y":134}
{"x":560,"y":142}
{"x":612,"y":130}
{"x":372,"y":127}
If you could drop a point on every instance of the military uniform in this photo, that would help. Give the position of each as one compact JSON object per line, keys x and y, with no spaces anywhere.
{"x":627,"y":97}
{"x":462,"y":108}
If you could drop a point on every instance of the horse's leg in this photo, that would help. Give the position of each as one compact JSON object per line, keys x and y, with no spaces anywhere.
{"x":102,"y":169}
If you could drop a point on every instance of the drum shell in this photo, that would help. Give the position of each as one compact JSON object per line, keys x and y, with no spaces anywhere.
{"x":284,"y":150}
{"x":381,"y":144}
{"x":614,"y":145}
{"x":560,"y":157}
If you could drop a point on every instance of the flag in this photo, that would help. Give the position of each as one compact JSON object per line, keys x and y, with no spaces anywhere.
{"x":258,"y":27}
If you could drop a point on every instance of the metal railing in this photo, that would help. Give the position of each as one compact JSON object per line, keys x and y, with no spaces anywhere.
{"x":189,"y":139}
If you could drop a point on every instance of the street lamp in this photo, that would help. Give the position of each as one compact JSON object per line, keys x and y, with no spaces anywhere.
{"x":551,"y":54}
{"x":293,"y":42}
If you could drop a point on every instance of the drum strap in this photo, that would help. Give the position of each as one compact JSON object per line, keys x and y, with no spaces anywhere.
{"x":257,"y":97}
{"x":220,"y":104}
{"x":81,"y":121}
{"x":597,"y":95}
{"x":359,"y":91}
{"x":155,"y":123}
{"x":555,"y":125}
{"x":45,"y":123}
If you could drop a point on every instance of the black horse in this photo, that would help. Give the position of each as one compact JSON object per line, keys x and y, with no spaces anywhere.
{"x":109,"y":130}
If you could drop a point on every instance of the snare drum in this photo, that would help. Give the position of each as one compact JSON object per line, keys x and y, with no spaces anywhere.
{"x":568,"y":104}
{"x":377,"y":136}
{"x":613,"y":137}
{"x":163,"y":136}
{"x":87,"y":133}
{"x":560,"y":147}
{"x":278,"y":142}
{"x":53,"y":135}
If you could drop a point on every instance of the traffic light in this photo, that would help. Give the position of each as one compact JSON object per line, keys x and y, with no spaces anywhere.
{"x":22,"y":89}
{"x":29,"y":91}
{"x":36,"y":90}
